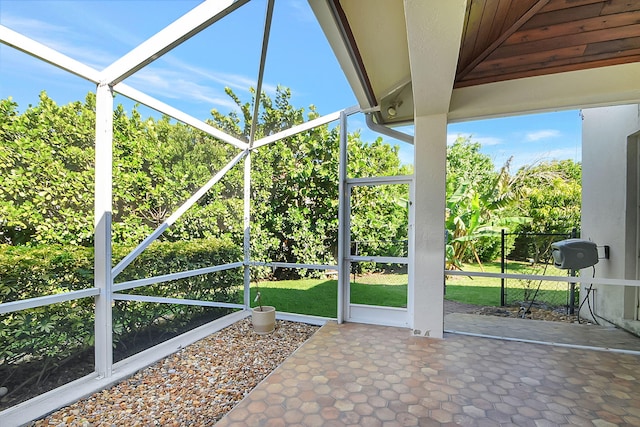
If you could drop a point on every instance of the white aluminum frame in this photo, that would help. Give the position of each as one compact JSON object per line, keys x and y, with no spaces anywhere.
{"x":181,"y":30}
{"x":132,"y":284}
{"x":305,"y":126}
{"x":569,"y":279}
{"x":46,"y":54}
{"x":10,"y":307}
{"x":363,"y":313}
{"x":170,"y":111}
{"x":294,"y":265}
{"x":105,"y":291}
{"x":176,"y":215}
{"x":182,"y":301}
{"x":343,"y":221}
{"x":103,"y":277}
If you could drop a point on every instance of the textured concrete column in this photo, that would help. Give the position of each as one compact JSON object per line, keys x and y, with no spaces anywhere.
{"x":430,"y":173}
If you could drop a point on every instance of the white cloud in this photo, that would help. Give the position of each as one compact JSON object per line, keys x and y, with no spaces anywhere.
{"x":234,"y":81}
{"x":171,"y":84}
{"x":32,"y":28}
{"x":542,"y":134}
{"x":61,"y":39}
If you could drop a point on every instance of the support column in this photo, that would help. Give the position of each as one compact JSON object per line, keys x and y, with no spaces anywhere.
{"x":247,"y":230}
{"x":102,"y":238}
{"x":343,"y":223}
{"x":430,"y":194}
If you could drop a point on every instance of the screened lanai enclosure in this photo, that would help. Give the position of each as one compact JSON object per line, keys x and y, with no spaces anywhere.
{"x":124,"y":281}
{"x":407,"y":62}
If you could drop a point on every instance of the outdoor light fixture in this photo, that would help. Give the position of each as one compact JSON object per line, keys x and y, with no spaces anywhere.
{"x":392,"y":110}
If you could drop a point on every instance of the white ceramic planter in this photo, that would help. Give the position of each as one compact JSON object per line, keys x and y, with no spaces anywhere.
{"x":264,"y":321}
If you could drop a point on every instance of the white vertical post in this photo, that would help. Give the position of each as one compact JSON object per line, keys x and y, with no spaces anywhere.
{"x":247,"y":229}
{"x":343,"y":232}
{"x":102,"y":236}
{"x":430,"y":194}
{"x":411,"y":249}
{"x":247,"y":161}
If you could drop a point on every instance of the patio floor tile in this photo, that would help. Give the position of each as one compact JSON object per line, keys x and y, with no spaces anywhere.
{"x":355,"y":374}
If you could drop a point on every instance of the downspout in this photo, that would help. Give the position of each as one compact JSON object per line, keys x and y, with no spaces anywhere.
{"x":385,"y":130}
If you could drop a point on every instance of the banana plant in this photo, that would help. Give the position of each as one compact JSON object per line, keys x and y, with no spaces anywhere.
{"x":476,"y":211}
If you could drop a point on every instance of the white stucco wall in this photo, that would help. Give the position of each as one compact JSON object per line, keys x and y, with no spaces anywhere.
{"x":607,"y":180}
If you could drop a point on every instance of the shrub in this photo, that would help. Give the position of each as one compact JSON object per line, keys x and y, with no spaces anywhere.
{"x":46,"y":337}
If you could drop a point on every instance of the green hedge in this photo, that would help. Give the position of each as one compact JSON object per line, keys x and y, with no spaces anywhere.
{"x":130,"y":318}
{"x":48,"y":335}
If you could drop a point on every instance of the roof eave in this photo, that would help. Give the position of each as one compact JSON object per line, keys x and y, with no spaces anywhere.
{"x":338,"y":34}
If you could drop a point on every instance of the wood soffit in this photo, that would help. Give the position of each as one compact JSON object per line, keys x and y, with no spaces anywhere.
{"x":511,"y":39}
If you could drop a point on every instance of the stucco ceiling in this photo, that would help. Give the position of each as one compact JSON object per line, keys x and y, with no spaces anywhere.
{"x":484,"y":58}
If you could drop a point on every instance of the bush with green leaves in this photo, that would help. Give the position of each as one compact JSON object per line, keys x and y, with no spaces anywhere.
{"x":46,"y":337}
{"x":47,"y":174}
{"x":169,"y":257}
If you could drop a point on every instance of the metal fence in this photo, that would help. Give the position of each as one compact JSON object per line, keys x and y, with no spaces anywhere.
{"x":532,"y":256}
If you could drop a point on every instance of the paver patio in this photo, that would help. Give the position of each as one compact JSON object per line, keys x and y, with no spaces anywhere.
{"x":364,"y":375}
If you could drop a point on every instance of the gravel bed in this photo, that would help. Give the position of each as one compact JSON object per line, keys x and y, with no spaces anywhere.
{"x":195,"y":386}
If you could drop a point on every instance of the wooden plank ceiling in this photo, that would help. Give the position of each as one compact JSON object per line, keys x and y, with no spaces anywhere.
{"x":511,"y":39}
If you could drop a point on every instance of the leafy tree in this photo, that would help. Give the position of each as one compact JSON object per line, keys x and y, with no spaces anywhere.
{"x":47,"y":176}
{"x":158,"y":165}
{"x":480,"y":203}
{"x":465,"y":163}
{"x":46,"y":172}
{"x":551,"y":197}
{"x":295,"y":183}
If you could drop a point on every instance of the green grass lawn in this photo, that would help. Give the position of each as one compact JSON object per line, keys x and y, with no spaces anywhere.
{"x":318,"y":297}
{"x":486,"y":290}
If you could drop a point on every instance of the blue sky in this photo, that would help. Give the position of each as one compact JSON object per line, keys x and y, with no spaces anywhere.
{"x":193,"y":76}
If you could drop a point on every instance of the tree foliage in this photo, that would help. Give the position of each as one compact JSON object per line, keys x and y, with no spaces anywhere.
{"x":480,"y":203}
{"x":47,"y":173}
{"x":551,"y":196}
{"x":46,"y":179}
{"x":46,"y":184}
{"x":295,"y":183}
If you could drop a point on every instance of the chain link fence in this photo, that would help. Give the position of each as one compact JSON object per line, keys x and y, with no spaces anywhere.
{"x":531,"y":255}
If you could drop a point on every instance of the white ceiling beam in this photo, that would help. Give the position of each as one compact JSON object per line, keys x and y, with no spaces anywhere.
{"x":53,"y":57}
{"x":319,"y":121}
{"x":263,"y":59}
{"x":171,"y":36}
{"x":434,"y":33}
{"x":170,"y":111}
{"x":596,"y":87}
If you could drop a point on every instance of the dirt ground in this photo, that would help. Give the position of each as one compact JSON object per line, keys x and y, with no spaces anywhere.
{"x":535,"y":313}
